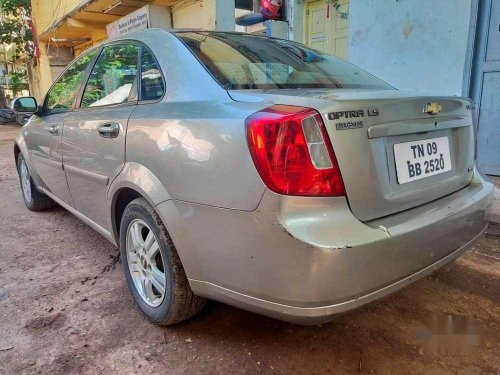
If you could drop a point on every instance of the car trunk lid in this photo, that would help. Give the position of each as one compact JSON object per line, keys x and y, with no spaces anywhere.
{"x":374,"y":131}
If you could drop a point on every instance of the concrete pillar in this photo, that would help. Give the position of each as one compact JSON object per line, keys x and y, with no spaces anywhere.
{"x":295,"y":16}
{"x":43,"y":74}
{"x":218,"y":15}
{"x":277,"y":29}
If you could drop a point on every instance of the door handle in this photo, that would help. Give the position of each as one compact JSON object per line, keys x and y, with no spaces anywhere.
{"x":54,"y":129}
{"x":109,"y":130}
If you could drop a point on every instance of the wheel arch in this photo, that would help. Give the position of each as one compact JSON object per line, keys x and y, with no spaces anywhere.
{"x":20,"y":148}
{"x":17,"y":151}
{"x":133,"y":182}
{"x":138,"y":181}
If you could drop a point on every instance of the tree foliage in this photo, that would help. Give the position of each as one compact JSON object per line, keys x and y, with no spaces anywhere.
{"x":18,"y":81}
{"x":15,"y":26}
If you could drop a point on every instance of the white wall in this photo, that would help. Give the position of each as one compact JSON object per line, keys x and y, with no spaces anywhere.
{"x":412,"y":44}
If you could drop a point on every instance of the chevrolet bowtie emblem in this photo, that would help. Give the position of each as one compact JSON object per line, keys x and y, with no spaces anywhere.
{"x":432,"y":108}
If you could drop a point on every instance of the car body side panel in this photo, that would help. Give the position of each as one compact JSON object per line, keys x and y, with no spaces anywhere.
{"x":196,"y":158}
{"x":46,"y":156}
{"x":92,"y":161}
{"x":193,"y":139}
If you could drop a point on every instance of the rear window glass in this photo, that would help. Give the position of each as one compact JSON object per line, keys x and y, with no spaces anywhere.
{"x":240,"y":61}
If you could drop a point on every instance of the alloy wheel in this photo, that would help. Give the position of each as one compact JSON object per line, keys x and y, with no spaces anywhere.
{"x":145,"y":263}
{"x":25,"y":181}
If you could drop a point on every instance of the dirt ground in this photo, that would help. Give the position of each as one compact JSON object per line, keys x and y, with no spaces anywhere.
{"x":65,"y":308}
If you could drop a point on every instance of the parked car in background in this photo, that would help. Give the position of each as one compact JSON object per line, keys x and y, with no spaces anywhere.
{"x":253,"y":171}
{"x":22,"y":119}
{"x":8,"y":116}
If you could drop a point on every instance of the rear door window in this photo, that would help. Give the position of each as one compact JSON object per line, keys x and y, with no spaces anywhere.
{"x":152,"y":84}
{"x":112,"y":80}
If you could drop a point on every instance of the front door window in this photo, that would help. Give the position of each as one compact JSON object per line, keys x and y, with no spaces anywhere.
{"x":63,"y":93}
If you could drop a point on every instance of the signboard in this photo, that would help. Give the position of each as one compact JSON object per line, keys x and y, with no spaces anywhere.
{"x":134,"y":21}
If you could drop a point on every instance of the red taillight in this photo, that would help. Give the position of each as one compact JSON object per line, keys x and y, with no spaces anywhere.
{"x":292,"y":152}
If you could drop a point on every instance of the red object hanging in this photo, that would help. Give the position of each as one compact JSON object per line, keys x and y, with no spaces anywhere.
{"x":35,"y":41}
{"x":270,"y":9}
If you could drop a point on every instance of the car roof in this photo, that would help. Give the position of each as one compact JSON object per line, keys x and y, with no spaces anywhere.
{"x":149,"y":31}
{"x":149,"y":35}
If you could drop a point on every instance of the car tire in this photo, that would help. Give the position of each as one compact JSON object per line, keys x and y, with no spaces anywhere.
{"x":143,"y":267}
{"x":33,"y":199}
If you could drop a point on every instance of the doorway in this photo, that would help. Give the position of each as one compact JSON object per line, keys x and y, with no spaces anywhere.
{"x":326,"y":26}
{"x":486,"y":86}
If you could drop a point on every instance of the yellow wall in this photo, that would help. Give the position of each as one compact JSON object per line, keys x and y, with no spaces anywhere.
{"x":96,"y":36}
{"x":41,"y":75}
{"x":47,"y":12}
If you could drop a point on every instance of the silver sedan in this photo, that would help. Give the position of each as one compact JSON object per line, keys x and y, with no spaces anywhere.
{"x":253,"y":171}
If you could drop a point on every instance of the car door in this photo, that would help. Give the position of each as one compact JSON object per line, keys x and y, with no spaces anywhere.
{"x":44,"y":133}
{"x":94,"y":134}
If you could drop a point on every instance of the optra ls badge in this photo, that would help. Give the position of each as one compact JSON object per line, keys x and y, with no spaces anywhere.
{"x":354,"y":115}
{"x":346,"y":114}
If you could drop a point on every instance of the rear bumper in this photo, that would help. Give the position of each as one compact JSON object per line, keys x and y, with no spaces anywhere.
{"x":322,"y":314}
{"x":307,"y":259}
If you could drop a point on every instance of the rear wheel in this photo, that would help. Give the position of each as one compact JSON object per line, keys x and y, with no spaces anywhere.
{"x":153,"y":268}
{"x":33,"y":199}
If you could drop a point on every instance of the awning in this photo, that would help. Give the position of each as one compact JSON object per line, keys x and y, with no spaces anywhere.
{"x":87,"y":22}
{"x":78,"y":26}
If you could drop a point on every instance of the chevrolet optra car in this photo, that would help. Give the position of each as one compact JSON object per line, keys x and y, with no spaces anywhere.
{"x":253,"y":171}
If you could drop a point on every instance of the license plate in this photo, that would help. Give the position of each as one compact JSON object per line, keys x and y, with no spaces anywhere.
{"x":421,"y":159}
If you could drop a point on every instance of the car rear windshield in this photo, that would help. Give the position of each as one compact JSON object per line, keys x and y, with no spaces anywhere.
{"x":240,"y":61}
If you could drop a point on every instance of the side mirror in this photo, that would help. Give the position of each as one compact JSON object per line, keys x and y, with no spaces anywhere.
{"x":25,"y":105}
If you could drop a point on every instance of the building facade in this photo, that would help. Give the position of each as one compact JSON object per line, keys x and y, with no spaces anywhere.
{"x":13,"y":74}
{"x":65,"y":28}
{"x":445,"y":47}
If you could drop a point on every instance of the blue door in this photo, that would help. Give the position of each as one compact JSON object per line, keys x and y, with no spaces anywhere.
{"x":486,"y":86}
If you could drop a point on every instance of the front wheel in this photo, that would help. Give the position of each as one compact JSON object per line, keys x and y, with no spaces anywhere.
{"x":33,"y":199}
{"x":153,"y":268}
